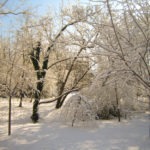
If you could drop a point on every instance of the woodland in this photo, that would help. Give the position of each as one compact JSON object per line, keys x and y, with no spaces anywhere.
{"x":97,"y":53}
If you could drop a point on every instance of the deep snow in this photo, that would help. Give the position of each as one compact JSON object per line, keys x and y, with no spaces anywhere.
{"x":52,"y":134}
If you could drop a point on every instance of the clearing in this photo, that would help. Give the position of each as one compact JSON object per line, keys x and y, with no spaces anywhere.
{"x":52,"y":134}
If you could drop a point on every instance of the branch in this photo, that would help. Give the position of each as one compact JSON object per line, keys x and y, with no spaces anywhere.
{"x":145,"y":64}
{"x":55,"y":63}
{"x":72,"y":64}
{"x":134,"y":19}
{"x":114,"y":28}
{"x":55,"y":99}
{"x":83,"y":75}
{"x":59,"y":34}
{"x":65,"y":59}
{"x":3,"y":4}
{"x":12,"y":13}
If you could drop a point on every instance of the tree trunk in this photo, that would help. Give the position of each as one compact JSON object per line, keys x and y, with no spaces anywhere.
{"x":61,"y":86}
{"x":21,"y":98}
{"x":35,"y":115}
{"x":20,"y":103}
{"x":117,"y":102}
{"x":41,"y":72}
{"x":37,"y":96}
{"x":9,"y":117}
{"x":35,"y":56}
{"x":60,"y":101}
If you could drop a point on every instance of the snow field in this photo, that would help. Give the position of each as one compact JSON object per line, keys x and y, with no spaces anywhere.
{"x":53,"y":134}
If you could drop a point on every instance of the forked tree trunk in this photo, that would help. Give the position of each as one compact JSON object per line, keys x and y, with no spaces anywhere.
{"x":60,"y":101}
{"x":62,"y":86}
{"x":40,"y":74}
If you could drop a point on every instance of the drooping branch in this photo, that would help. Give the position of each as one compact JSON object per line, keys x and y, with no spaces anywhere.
{"x":55,"y":99}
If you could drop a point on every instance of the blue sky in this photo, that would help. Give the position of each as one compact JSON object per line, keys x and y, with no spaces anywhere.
{"x":43,"y":5}
{"x":38,"y":6}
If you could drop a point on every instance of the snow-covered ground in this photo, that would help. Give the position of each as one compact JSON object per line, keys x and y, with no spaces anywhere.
{"x":52,"y":134}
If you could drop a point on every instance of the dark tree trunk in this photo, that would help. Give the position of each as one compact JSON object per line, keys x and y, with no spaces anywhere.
{"x":61,"y":86}
{"x":37,"y":96}
{"x":117,"y":102}
{"x":9,"y":117}
{"x":35,"y":56}
{"x":20,"y":103}
{"x":21,"y":98}
{"x":60,"y":101}
{"x":40,"y":74}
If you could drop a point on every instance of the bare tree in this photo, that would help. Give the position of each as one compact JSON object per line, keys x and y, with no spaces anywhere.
{"x":41,"y":72}
{"x":121,"y":29}
{"x":54,"y":40}
{"x":7,"y":76}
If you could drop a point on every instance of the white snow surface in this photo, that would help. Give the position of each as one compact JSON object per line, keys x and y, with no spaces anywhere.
{"x":52,"y":134}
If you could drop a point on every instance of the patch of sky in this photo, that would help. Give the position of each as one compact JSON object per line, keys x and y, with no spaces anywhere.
{"x":39,"y":8}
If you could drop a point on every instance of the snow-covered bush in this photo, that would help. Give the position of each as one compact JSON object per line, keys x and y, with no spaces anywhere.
{"x":77,"y":110}
{"x":113,"y":97}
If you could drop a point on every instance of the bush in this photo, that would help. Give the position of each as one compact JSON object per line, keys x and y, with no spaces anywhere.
{"x":107,"y":112}
{"x":77,"y":110}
